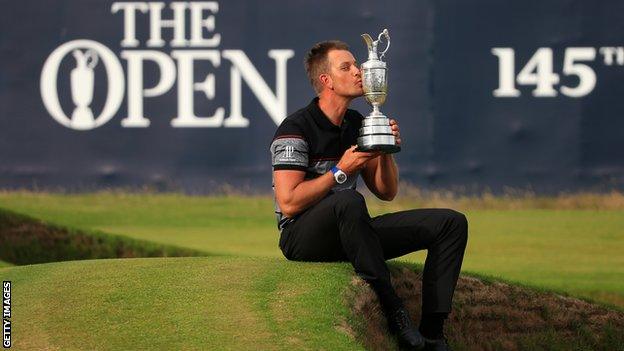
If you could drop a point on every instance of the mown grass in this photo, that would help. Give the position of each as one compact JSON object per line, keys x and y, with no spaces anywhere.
{"x":578,"y":250}
{"x":199,"y":303}
{"x":258,"y":300}
{"x":27,"y":240}
{"x":238,"y":303}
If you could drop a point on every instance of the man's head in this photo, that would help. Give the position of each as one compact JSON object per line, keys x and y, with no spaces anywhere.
{"x":330,"y":65}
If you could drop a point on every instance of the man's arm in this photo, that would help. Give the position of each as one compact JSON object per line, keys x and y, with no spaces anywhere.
{"x":294,"y":194}
{"x":381,"y":174}
{"x":382,"y":177}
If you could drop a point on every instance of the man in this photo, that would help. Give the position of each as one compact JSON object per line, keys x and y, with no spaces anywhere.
{"x":323,"y":218}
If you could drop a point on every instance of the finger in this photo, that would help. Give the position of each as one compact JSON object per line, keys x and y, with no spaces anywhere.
{"x":398,"y":141}
{"x":351,"y":149}
{"x":393,"y":122}
{"x":373,"y":154}
{"x":369,"y":154}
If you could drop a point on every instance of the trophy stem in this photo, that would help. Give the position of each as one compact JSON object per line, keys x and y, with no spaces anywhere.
{"x":376,"y":111}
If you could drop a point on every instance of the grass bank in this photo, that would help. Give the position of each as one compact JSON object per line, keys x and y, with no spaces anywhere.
{"x":201,"y":303}
{"x":577,"y":249}
{"x":26,"y":240}
{"x":237,"y":303}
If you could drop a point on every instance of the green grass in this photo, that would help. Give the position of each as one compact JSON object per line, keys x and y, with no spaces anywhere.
{"x":27,"y":240}
{"x":219,"y":225}
{"x":578,"y":251}
{"x":201,"y":303}
{"x":253,"y":298}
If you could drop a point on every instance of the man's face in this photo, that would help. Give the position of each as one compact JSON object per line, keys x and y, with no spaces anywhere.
{"x":346,"y":79}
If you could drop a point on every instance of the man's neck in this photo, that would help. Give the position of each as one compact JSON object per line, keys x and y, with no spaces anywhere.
{"x":334,"y":107}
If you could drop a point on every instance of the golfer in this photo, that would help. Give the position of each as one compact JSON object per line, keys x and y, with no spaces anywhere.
{"x":322,"y":217}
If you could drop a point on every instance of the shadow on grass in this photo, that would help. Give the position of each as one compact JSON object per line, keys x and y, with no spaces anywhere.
{"x":492,"y":315}
{"x":26,"y":240}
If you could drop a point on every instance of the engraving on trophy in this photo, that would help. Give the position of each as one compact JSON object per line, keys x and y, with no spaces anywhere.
{"x":82,"y":88}
{"x":376,"y":133}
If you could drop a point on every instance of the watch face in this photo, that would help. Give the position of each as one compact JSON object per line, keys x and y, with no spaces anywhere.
{"x":341,"y":177}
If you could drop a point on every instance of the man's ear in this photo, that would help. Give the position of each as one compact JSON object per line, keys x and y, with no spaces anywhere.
{"x":326,"y":81}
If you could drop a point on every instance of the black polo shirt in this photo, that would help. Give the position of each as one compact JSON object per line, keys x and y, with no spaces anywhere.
{"x":308,"y":141}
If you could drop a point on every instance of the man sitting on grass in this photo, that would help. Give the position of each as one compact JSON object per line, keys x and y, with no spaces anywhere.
{"x":322,"y":217}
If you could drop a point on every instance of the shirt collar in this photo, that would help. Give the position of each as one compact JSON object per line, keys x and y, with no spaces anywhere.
{"x":321,"y":119}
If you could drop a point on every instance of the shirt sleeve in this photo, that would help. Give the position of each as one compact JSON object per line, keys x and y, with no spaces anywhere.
{"x":289,"y":150}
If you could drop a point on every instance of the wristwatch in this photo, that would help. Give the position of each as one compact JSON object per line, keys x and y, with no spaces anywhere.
{"x":339,"y":175}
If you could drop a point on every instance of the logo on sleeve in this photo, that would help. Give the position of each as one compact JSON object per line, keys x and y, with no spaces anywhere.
{"x":288,"y":152}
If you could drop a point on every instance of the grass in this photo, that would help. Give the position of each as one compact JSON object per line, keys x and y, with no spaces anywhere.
{"x":199,"y":303}
{"x":578,"y":250}
{"x":26,"y":240}
{"x":492,"y":315}
{"x":254,"y":299}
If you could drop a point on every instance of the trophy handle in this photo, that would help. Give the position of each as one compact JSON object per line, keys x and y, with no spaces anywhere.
{"x":91,"y":58}
{"x":386,"y":34}
{"x":87,"y":59}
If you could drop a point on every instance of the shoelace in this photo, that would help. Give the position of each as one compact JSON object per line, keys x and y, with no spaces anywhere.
{"x":401,"y":319}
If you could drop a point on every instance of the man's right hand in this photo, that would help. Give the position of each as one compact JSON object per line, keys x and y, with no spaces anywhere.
{"x":353,"y":161}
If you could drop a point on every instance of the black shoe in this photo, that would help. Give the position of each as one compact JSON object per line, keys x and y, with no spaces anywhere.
{"x":437,"y":345}
{"x":409,"y":337}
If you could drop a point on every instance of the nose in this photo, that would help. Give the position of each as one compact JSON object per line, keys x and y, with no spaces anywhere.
{"x":357,"y":71}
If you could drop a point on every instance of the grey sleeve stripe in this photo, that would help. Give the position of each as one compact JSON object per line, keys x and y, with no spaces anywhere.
{"x":289,"y":151}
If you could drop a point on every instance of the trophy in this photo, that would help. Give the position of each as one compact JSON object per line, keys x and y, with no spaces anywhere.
{"x":376,"y":133}
{"x":82,"y":88}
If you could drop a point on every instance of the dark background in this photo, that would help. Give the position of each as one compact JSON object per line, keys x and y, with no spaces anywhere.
{"x":456,"y":134}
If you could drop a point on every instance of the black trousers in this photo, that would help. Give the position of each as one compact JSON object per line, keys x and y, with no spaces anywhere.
{"x":339,"y":228}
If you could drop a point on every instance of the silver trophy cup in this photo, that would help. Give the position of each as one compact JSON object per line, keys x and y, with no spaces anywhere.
{"x":376,"y":134}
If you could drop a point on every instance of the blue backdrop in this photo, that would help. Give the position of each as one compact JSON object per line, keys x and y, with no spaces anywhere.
{"x":187,"y":95}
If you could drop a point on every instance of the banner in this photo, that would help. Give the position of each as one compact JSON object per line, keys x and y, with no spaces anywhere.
{"x":187,"y":95}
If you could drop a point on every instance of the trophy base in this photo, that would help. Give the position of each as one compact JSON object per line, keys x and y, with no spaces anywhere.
{"x":386,"y":149}
{"x":376,"y":134}
{"x":383,"y":143}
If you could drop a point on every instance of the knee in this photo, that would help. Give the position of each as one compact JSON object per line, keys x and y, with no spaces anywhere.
{"x":459,"y":219}
{"x":458,"y":224}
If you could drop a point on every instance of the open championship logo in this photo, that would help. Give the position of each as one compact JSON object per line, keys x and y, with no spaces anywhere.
{"x":177,"y":67}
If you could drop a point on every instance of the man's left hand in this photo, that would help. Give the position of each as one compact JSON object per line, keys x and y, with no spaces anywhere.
{"x":395,"y":130}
